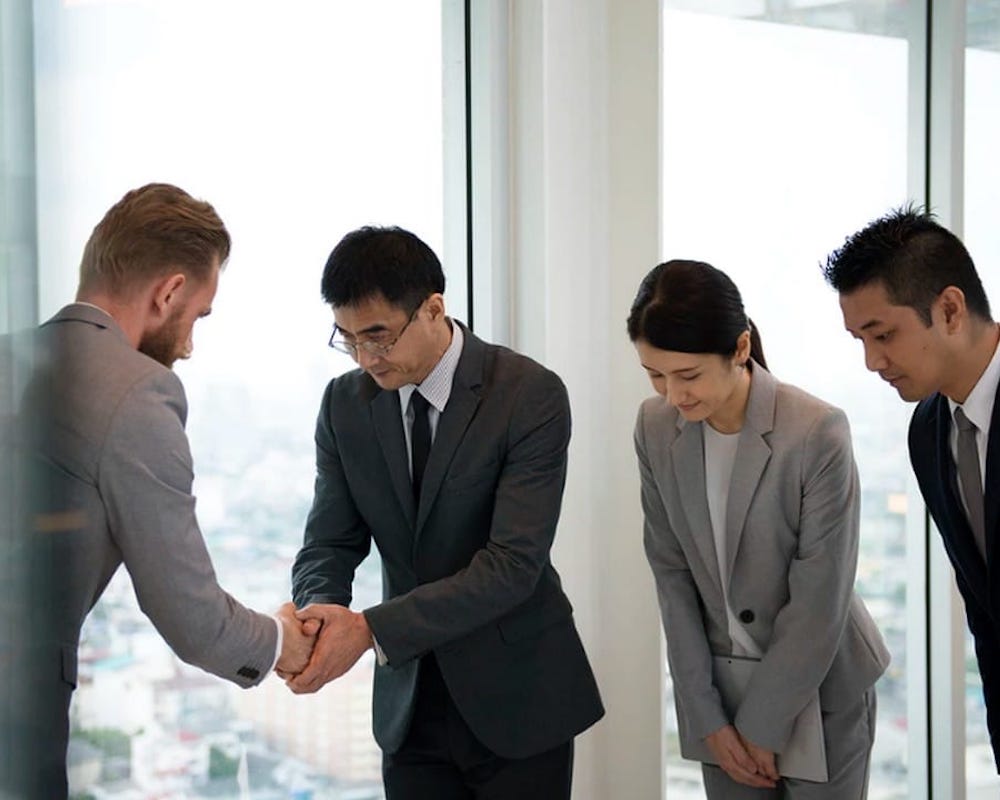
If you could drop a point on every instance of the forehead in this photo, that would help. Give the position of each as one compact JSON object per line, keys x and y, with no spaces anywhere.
{"x":869,"y":306}
{"x":374,"y":313}
{"x":668,"y":361}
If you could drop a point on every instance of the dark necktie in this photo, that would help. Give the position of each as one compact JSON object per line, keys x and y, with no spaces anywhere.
{"x":420,"y":440}
{"x":971,"y":478}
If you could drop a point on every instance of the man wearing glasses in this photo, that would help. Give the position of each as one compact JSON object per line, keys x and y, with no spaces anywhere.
{"x":449,"y":453}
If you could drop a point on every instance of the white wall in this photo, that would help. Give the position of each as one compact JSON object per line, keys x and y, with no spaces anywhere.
{"x":583,"y":216}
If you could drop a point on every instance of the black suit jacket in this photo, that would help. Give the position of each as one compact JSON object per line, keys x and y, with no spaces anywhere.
{"x":466,"y":571}
{"x":934,"y":466}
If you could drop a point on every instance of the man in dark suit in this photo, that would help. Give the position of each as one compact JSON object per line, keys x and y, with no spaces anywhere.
{"x":451,"y":454}
{"x":910,"y":292}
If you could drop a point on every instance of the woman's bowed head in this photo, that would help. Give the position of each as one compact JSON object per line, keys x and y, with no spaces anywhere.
{"x":695,"y":341}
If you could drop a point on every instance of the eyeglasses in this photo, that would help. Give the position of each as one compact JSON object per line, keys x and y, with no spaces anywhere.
{"x":374,"y":347}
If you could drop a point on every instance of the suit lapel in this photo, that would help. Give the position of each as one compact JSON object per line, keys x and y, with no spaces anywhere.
{"x":752,"y":455}
{"x":687,"y":456}
{"x":388,"y":423}
{"x":992,"y":493}
{"x":454,"y":420}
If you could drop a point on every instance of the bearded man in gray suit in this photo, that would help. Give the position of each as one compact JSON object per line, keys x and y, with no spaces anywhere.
{"x":107,"y":476}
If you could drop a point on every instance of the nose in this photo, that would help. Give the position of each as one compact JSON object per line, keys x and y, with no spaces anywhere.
{"x":875,"y":359}
{"x":365,"y":359}
{"x":674,"y":391}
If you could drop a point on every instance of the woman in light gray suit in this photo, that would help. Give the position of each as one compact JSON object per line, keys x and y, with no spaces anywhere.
{"x":751,"y":502}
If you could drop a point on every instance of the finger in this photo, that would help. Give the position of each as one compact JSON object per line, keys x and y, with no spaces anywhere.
{"x":742,"y":758}
{"x":314,"y":611}
{"x":768,"y":768}
{"x":741,"y":775}
{"x":311,"y":626}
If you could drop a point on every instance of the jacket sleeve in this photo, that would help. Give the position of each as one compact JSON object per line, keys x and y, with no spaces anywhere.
{"x":808,"y":629}
{"x":336,"y":538}
{"x":144,"y":476}
{"x":505,"y":572}
{"x":688,"y":651}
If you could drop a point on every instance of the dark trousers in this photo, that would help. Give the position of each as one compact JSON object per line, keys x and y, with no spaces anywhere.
{"x":442,"y":759}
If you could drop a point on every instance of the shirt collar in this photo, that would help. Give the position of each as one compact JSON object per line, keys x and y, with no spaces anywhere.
{"x":978,"y":406}
{"x":436,"y":387}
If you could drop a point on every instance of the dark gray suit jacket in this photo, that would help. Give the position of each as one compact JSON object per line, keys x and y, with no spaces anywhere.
{"x":934,"y":466}
{"x":467,"y":573}
{"x":109,"y":477}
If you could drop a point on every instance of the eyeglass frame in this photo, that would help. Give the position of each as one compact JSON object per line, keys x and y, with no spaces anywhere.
{"x":370,"y":346}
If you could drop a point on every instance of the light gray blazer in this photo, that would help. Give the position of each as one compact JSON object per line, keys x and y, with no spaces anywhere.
{"x":792,"y":541}
{"x":111,"y":483}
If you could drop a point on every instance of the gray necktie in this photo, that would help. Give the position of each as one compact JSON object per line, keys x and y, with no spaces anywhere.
{"x":971,"y":478}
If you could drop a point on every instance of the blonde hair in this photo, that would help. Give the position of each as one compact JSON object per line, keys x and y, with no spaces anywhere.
{"x":150,"y":231}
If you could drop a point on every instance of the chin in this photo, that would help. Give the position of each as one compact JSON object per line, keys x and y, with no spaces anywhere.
{"x":388,"y":381}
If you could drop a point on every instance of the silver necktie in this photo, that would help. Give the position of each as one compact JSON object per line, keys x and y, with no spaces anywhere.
{"x":971,"y":478}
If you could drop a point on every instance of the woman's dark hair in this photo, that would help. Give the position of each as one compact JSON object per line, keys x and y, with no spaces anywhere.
{"x":691,"y":307}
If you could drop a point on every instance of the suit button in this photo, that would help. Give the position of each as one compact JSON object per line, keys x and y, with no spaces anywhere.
{"x":746,"y":616}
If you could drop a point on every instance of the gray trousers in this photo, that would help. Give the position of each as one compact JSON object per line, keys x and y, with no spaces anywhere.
{"x":849,"y":734}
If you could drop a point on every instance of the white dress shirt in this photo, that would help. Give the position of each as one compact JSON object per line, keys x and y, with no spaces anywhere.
{"x":720,"y":456}
{"x":978,"y":407}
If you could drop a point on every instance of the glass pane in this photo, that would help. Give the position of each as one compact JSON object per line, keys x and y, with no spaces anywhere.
{"x":982,"y":205}
{"x":784,"y":129}
{"x":299,"y":121}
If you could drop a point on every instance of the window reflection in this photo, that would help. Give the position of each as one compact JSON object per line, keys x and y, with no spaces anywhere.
{"x":784,"y":127}
{"x":299,"y":121}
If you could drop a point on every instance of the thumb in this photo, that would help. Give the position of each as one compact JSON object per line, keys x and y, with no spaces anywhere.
{"x":311,"y":626}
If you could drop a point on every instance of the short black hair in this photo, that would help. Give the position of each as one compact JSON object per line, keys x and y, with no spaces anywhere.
{"x":390,"y":262}
{"x":913,"y":257}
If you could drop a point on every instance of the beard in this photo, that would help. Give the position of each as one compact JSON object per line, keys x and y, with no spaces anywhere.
{"x":165,"y":345}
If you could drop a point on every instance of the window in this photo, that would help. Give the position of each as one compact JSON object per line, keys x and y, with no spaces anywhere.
{"x":782,"y":132}
{"x":298,"y":121}
{"x":982,"y":203}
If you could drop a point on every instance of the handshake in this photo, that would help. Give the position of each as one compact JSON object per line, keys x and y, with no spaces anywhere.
{"x":319,"y":643}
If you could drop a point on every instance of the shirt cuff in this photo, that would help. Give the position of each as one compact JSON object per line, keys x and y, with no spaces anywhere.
{"x":281,"y":641}
{"x":380,"y":657}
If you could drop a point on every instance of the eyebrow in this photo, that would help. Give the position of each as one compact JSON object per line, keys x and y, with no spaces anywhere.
{"x":669,"y":372}
{"x":378,"y":327}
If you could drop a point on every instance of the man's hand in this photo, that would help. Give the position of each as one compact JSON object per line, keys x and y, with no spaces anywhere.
{"x":343,"y":638}
{"x":297,"y":641}
{"x":727,"y":747}
{"x":764,"y":759}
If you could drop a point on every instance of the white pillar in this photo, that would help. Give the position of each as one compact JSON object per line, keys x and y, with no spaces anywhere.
{"x":584,"y":222}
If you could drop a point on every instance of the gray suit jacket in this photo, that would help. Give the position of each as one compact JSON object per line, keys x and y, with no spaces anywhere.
{"x":110,"y":482}
{"x":792,"y":544}
{"x":467,"y":574}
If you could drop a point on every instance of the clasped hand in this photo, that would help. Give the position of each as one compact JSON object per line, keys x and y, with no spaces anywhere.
{"x":741,"y":759}
{"x":335,"y":638}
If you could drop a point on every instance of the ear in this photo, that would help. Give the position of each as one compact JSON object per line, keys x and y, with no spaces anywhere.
{"x":951,"y":303}
{"x":435,"y":305}
{"x":742,"y":354}
{"x":166,"y":293}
